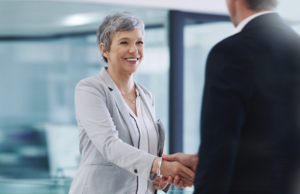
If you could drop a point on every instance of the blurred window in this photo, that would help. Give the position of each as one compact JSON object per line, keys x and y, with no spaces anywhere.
{"x":198,"y":41}
{"x":38,"y":129}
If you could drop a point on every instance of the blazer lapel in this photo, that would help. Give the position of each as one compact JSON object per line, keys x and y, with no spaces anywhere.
{"x":120,"y":104}
{"x":148,"y":105}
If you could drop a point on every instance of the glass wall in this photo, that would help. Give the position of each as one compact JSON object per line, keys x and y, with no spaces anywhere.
{"x":154,"y":74}
{"x":38,"y":75}
{"x":198,"y":41}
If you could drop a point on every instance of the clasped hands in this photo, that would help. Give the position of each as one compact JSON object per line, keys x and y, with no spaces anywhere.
{"x":178,"y":169}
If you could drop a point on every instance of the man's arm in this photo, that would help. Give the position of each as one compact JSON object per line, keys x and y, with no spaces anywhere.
{"x":173,"y":168}
{"x":188,"y":160}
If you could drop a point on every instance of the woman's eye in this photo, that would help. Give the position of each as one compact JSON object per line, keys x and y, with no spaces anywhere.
{"x":140,"y":42}
{"x":123,"y":43}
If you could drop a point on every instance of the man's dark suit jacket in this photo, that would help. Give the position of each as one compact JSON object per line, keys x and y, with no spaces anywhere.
{"x":250,"y":121}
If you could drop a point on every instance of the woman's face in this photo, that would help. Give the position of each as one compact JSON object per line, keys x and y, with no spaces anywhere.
{"x":126,"y":51}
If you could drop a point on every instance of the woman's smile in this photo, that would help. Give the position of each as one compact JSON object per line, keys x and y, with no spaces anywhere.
{"x":132,"y":60}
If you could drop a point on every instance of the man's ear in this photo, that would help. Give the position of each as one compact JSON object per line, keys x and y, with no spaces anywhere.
{"x":104,"y":53}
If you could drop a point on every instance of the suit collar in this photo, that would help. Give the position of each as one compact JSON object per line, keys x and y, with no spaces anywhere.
{"x":119,"y":103}
{"x":107,"y":79}
{"x":242,"y":24}
{"x":265,"y":20}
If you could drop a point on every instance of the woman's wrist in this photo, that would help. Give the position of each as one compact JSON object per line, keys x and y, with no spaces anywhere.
{"x":159,"y":167}
{"x":155,"y":165}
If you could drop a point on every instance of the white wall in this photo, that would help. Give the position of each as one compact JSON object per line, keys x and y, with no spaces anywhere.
{"x":205,"y":6}
{"x":288,"y":9}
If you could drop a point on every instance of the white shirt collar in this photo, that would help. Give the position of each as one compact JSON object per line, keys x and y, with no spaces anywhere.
{"x":241,"y":25}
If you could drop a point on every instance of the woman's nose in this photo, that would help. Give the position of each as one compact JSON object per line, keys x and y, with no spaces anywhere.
{"x":133,"y":49}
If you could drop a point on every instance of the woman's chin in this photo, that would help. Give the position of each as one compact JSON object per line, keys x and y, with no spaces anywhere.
{"x":132,"y":69}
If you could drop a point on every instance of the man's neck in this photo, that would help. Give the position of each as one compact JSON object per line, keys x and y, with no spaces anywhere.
{"x":246,"y":13}
{"x":243,"y":23}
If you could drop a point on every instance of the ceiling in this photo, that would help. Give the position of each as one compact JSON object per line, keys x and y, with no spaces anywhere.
{"x":44,"y":18}
{"x":52,"y":17}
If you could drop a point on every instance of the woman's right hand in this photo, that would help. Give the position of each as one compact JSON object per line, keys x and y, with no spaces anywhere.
{"x":173,"y":168}
{"x":159,"y":184}
{"x":177,"y":182}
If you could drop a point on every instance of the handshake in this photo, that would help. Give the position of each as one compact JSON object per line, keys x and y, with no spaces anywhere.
{"x":178,"y":169}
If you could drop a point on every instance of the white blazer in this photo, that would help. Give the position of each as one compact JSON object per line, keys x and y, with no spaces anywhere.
{"x":110,"y":160}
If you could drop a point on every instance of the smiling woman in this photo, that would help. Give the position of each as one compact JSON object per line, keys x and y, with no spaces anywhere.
{"x":121,"y":142}
{"x":126,"y":51}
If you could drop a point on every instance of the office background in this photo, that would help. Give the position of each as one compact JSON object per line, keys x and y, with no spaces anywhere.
{"x":46,"y":47}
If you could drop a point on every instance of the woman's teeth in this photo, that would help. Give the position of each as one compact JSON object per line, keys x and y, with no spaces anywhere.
{"x":132,"y":59}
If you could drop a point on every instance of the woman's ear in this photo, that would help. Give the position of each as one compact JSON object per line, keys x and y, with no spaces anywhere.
{"x":104,"y":53}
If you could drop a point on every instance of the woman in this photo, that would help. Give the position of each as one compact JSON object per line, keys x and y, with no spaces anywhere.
{"x":119,"y":136}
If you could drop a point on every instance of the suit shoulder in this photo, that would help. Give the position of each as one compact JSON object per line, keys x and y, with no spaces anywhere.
{"x":229,"y":43}
{"x":92,"y":84}
{"x":236,"y":47}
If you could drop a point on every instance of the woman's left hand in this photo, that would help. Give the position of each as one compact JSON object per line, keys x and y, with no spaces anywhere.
{"x":158,"y":185}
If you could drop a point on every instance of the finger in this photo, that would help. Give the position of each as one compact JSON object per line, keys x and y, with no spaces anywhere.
{"x":181,"y":184}
{"x":188,"y":173}
{"x":185,"y":177}
{"x":170,"y":180}
{"x":186,"y":181}
{"x":176,"y":180}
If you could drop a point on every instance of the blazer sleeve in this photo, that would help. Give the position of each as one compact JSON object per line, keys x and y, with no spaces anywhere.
{"x":227,"y":88}
{"x":95,"y":118}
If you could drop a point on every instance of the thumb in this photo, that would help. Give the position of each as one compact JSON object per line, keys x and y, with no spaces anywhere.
{"x":169,"y":157}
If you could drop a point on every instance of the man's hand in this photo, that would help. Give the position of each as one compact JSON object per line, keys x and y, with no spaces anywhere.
{"x":173,"y":168}
{"x":189,"y":160}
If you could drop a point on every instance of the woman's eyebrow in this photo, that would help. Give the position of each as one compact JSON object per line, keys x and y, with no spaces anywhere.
{"x":126,"y":38}
{"x":123,"y":38}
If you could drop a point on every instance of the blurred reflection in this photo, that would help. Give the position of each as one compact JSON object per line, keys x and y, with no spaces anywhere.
{"x":23,"y":151}
{"x":55,"y":186}
{"x":38,"y":125}
{"x":38,"y":129}
{"x":198,"y":41}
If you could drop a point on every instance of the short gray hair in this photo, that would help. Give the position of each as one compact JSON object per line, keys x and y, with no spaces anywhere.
{"x":121,"y":21}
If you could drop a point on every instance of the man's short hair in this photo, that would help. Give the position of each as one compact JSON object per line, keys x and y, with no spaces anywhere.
{"x":258,"y":5}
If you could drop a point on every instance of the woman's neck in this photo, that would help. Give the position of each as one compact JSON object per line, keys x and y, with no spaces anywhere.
{"x":124,"y":81}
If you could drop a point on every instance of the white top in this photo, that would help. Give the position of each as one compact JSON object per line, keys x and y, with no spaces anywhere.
{"x":241,"y":25}
{"x":147,"y":138}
